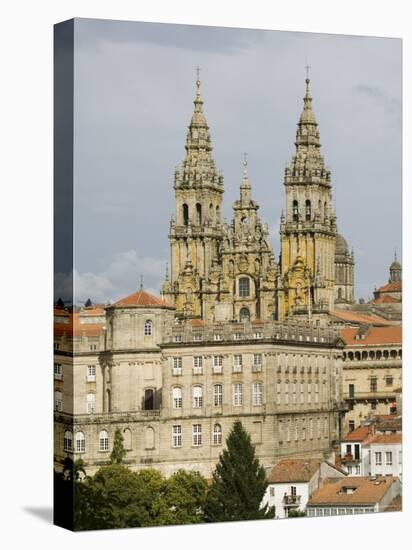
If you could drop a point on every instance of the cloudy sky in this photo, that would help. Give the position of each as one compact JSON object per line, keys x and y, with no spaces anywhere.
{"x":134,"y":87}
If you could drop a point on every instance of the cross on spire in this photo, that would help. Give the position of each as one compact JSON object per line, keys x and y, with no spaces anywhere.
{"x":307,"y":69}
{"x":141,"y":282}
{"x":197,"y":73}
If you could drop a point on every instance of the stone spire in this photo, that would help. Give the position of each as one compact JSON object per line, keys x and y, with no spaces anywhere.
{"x":198,"y":168}
{"x":308,"y":162}
{"x":245,"y":186}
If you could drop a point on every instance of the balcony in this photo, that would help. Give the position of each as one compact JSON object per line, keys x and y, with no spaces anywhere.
{"x":291,"y":500}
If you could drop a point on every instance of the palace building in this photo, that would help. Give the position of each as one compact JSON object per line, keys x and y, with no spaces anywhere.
{"x":235,"y":334}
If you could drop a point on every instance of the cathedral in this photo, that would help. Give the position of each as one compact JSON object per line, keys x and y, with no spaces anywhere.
{"x":229,"y":272}
{"x":237,"y":333}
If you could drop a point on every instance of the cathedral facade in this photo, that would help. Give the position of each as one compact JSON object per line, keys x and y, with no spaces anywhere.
{"x":235,"y":334}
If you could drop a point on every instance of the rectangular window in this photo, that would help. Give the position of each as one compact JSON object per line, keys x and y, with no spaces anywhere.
{"x":197,"y":365}
{"x":296,"y":431}
{"x":237,"y":363}
{"x":357,"y":451}
{"x":272,"y":491}
{"x":237,"y":394}
{"x":80,"y":445}
{"x":294,"y":397}
{"x":257,"y":393}
{"x":378,"y":459}
{"x":177,"y":365}
{"x":302,"y":392}
{"x":351,"y":391}
{"x":198,"y":337}
{"x":58,"y":371}
{"x":257,"y":362}
{"x":91,"y":373}
{"x":90,"y":403}
{"x":93,"y":347}
{"x":217,"y":337}
{"x":311,"y":428}
{"x":287,"y":393}
{"x":389,"y":380}
{"x":388,"y":458}
{"x":243,"y":287}
{"x":373,"y":384}
{"x":357,"y":469}
{"x":177,"y":338}
{"x":58,"y":401}
{"x":257,"y":335}
{"x":309,"y":392}
{"x":217,"y":363}
{"x":278,"y":393}
{"x":351,"y":425}
{"x":349,"y":468}
{"x":197,"y":435}
{"x":218,"y":395}
{"x":177,"y":436}
{"x":237,"y":336}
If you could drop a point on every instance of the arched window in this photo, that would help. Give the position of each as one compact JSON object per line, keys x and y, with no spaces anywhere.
{"x":127,"y":439}
{"x":339,"y":293}
{"x":308,"y":210}
{"x":103,"y":441}
{"x":217,"y":434}
{"x":217,"y":214}
{"x":148,"y":327}
{"x":177,"y":398}
{"x":295,"y":211}
{"x":211,"y":212}
{"x":197,"y":396}
{"x":68,"y":441}
{"x":148,"y":404}
{"x":80,"y":442}
{"x":244,"y":315}
{"x":198,"y":214}
{"x":149,"y":438}
{"x":185,"y":211}
{"x":244,"y":287}
{"x":217,"y":395}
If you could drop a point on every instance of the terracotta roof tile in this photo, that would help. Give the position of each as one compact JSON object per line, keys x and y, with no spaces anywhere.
{"x":293,"y":470}
{"x":367,"y":491}
{"x":196,"y":323}
{"x":355,"y":317}
{"x":391,"y":287}
{"x":141,"y":299}
{"x":360,"y":434}
{"x":375,"y":335}
{"x":384,"y":439}
{"x":385,"y":299}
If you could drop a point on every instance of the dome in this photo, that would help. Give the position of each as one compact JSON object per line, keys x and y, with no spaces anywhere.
{"x":341,"y":247}
{"x":395,"y":265}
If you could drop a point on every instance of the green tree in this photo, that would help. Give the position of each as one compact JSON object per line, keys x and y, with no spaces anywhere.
{"x":183,"y":500}
{"x":239,"y":482}
{"x":119,"y":452}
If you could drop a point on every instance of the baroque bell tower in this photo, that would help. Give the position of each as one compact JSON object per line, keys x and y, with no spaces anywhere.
{"x":196,"y":228}
{"x":308,"y":226}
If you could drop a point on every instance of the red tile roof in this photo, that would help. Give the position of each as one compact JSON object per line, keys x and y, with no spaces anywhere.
{"x":367,"y":490}
{"x":141,"y":299}
{"x":293,"y":470}
{"x":359,"y":318}
{"x":385,"y":299}
{"x":391,"y":287}
{"x":375,"y":335}
{"x":196,"y":323}
{"x":360,"y":434}
{"x":74,"y":326}
{"x":384,"y":439}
